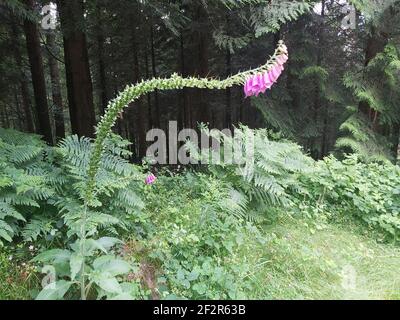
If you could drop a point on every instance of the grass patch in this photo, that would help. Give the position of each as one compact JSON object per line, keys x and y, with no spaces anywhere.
{"x":16,"y":279}
{"x":332,"y":263}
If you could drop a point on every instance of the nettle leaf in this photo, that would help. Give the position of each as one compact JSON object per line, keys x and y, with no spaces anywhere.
{"x":108,"y":242}
{"x":94,"y":244}
{"x":54,"y":291}
{"x":111,"y":265}
{"x":108,"y":284}
{"x":75,"y":263}
{"x":53,"y":256}
{"x":91,"y":246}
{"x":123,"y":297}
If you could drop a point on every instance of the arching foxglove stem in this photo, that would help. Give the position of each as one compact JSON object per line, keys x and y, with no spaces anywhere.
{"x":132,"y":93}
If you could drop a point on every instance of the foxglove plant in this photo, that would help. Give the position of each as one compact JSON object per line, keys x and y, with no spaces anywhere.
{"x":86,"y":267}
{"x":260,"y":82}
{"x":133,"y":92}
{"x":150,"y":179}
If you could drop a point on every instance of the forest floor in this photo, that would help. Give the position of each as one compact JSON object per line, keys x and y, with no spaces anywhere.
{"x":336,"y":262}
{"x":300,"y":262}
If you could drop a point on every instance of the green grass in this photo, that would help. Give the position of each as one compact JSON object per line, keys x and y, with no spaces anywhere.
{"x":332,"y":263}
{"x":16,"y":279}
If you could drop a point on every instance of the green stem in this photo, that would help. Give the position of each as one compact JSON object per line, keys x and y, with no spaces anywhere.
{"x":133,"y":92}
{"x":82,"y":252}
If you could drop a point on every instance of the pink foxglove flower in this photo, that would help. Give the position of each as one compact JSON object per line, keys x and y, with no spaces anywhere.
{"x":259,"y":83}
{"x":150,"y":179}
{"x":282,"y":59}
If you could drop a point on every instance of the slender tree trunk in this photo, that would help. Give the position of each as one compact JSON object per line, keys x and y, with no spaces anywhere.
{"x":228,"y":61}
{"x":27,"y":105}
{"x":141,"y":114}
{"x":56,"y":87}
{"x":149,"y":106}
{"x":23,"y":83}
{"x":6,"y":119}
{"x":156,"y":121}
{"x":201,"y":41}
{"x":317,"y":94}
{"x":396,"y":141}
{"x":19,"y":116}
{"x":185,"y":106}
{"x":101,"y":63}
{"x":204,"y":69}
{"x":324,"y":144}
{"x":228,"y":111}
{"x":3,"y":118}
{"x":113,"y":87}
{"x":38,"y":79}
{"x":79,"y":81}
{"x":141,"y":125}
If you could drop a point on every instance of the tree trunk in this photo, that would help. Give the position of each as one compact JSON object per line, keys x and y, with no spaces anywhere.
{"x":203,"y":43}
{"x":141,"y":125}
{"x":396,"y":141}
{"x":56,"y":87}
{"x":185,"y":106}
{"x":38,"y":79}
{"x":101,"y":63}
{"x":23,"y":83}
{"x":19,"y":115}
{"x":199,"y":100}
{"x":317,"y":93}
{"x":6,"y":120}
{"x":156,"y":121}
{"x":228,"y":111}
{"x":228,"y":60}
{"x":79,"y":81}
{"x":149,"y":107}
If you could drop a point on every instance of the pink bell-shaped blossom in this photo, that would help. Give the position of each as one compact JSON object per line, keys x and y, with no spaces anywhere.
{"x":282,"y":59}
{"x":247,"y":89}
{"x":275,"y":73}
{"x":267,"y":81}
{"x":150,"y":179}
{"x":259,"y":83}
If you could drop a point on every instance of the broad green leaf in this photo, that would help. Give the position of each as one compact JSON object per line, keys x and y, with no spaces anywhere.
{"x":54,"y":291}
{"x":75,"y":263}
{"x":55,"y":256}
{"x":100,"y":261}
{"x":108,"y":242}
{"x":111,"y":265}
{"x":93,"y":245}
{"x":123,"y":296}
{"x":109,"y":285}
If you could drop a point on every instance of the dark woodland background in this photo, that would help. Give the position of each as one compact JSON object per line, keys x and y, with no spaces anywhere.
{"x":339,"y":91}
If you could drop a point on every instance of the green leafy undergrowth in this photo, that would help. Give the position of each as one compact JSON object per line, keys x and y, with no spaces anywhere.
{"x":197,"y":235}
{"x":194,"y":241}
{"x":369,"y":192}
